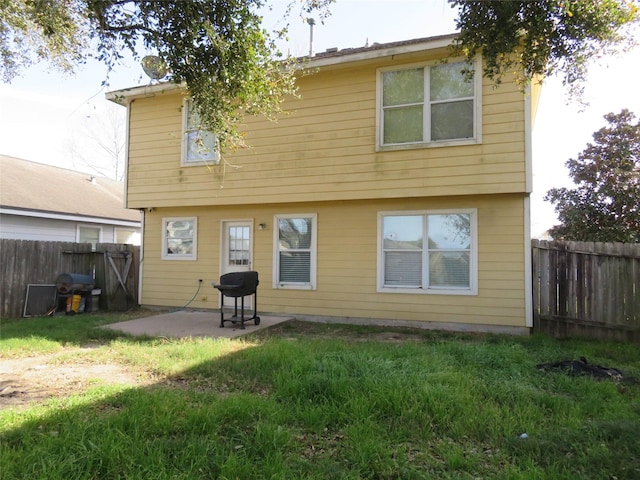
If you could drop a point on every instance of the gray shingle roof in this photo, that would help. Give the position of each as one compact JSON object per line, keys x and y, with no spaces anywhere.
{"x":26,"y":185}
{"x":380,"y":46}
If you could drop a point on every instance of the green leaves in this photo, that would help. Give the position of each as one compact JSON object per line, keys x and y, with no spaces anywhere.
{"x":34,"y":30}
{"x":542,"y":37}
{"x":604,"y":206}
{"x":217,"y":48}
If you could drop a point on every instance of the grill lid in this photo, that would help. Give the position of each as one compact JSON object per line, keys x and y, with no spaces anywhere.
{"x":69,"y":282}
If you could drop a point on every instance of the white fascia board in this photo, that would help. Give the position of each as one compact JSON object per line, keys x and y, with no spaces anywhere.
{"x":73,"y":218}
{"x":434,"y":44}
{"x":126,"y":95}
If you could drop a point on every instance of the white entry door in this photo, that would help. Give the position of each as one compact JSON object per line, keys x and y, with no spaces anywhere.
{"x":236,"y":249}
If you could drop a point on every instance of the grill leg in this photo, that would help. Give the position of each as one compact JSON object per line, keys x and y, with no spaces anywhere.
{"x":221,"y":310}
{"x":256,"y":318}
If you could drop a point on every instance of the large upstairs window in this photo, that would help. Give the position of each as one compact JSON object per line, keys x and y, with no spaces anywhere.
{"x":428,"y":105}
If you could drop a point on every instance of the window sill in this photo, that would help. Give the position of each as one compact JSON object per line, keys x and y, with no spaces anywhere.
{"x":428,"y":291}
{"x":202,"y":163}
{"x":420,"y":145}
{"x":179,"y":257}
{"x":292,"y":286}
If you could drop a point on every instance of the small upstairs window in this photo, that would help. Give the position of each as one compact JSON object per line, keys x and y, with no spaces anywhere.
{"x":199,"y":146}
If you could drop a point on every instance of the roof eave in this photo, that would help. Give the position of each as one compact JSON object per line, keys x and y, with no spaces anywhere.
{"x":126,"y":95}
{"x":385,"y":50}
{"x":350,"y":55}
{"x":76,"y":217}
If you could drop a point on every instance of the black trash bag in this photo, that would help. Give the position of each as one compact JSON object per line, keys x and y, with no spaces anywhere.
{"x":580,"y":367}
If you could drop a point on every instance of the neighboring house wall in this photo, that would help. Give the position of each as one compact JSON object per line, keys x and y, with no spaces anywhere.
{"x":30,"y":228}
{"x":47,"y":229}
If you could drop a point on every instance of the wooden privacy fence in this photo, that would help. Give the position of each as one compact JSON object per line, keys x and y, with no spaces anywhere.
{"x":24,"y":262}
{"x":587,"y":289}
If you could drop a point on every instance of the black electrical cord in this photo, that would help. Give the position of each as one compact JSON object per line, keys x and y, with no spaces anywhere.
{"x":192,"y":298}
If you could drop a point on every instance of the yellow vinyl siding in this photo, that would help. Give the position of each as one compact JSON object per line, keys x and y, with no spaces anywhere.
{"x":347,"y":262}
{"x":324,"y":149}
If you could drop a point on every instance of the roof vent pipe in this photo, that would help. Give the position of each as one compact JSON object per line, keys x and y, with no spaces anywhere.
{"x":311,"y":23}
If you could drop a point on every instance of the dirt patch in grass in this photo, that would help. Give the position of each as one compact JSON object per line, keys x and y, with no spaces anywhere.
{"x":28,"y":380}
{"x":24,"y":381}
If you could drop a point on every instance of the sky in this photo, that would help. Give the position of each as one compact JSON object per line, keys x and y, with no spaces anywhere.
{"x":49,"y":118}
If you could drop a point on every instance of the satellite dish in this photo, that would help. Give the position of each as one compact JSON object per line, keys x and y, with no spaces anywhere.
{"x":154,"y":67}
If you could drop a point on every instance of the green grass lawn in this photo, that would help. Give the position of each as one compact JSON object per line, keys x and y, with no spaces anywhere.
{"x":315,"y":401}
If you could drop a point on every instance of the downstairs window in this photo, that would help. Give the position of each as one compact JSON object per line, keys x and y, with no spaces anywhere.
{"x":431,"y":252}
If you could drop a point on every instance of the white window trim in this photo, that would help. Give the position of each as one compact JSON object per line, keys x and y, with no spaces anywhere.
{"x":477,"y":107}
{"x":183,"y":154}
{"x":314,"y":253}
{"x":95,"y":227}
{"x":178,"y":256}
{"x":473,"y":274}
{"x":225,"y":224}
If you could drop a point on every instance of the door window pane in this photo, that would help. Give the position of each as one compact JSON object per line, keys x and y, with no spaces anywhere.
{"x":238,"y":245}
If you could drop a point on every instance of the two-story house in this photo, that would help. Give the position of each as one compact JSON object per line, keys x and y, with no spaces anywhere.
{"x":394,"y":190}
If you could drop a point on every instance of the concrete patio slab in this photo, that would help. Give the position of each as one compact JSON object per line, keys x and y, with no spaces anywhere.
{"x":189,"y":323}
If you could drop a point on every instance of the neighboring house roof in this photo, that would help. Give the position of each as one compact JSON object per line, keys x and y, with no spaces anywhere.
{"x":36,"y":187}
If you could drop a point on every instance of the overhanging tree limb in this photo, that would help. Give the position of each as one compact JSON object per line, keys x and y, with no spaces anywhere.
{"x":537,"y":38}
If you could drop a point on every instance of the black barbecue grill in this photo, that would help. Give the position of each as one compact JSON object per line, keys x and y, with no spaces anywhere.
{"x":238,"y":285}
{"x":70,"y":285}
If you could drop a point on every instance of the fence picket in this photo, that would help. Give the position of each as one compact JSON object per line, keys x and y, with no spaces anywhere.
{"x":593,"y":289}
{"x":27,"y":262}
